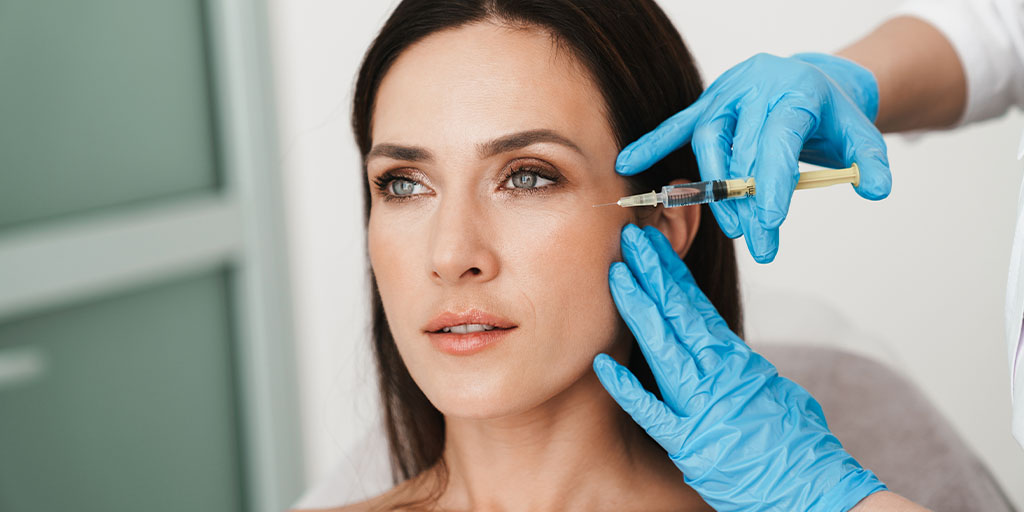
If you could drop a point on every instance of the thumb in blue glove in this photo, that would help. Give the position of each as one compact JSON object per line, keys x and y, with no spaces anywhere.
{"x":744,"y":437}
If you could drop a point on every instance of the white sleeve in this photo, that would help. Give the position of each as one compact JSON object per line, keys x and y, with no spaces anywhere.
{"x":988,"y":36}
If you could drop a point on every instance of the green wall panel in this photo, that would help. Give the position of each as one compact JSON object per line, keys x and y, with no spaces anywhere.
{"x":122,"y":404}
{"x":102,"y":103}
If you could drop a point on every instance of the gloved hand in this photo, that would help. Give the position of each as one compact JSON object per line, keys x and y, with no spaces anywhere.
{"x":744,"y":437}
{"x":758,"y":119}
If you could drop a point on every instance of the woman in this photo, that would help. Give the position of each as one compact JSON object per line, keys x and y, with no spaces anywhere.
{"x":488,"y":130}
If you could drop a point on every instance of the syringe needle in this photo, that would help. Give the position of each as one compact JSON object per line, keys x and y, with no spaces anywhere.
{"x":605,"y":204}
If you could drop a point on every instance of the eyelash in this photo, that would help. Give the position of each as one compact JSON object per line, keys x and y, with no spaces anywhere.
{"x":383,"y":182}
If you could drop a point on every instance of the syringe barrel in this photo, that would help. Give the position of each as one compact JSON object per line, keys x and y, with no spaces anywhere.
{"x":651,"y":198}
{"x":688,"y":194}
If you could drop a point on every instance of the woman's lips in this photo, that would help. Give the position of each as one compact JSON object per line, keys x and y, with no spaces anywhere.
{"x":466,"y":344}
{"x":467,"y":332}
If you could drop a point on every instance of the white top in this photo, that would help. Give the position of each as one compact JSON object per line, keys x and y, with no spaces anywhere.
{"x":988,"y":35}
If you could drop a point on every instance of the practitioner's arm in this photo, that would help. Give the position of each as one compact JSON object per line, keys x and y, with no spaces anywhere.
{"x":921,"y":82}
{"x":766,"y":113}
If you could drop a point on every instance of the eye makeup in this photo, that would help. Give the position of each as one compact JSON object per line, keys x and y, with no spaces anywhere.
{"x":386,"y":182}
{"x":520,"y":176}
{"x":521,"y":168}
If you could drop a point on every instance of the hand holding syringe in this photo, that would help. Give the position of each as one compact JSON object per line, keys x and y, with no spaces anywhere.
{"x":687,"y":194}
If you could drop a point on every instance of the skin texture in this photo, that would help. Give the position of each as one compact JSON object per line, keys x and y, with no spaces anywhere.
{"x":527,"y":412}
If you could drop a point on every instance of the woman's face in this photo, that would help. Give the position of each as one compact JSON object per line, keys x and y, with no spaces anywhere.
{"x":490,"y":148}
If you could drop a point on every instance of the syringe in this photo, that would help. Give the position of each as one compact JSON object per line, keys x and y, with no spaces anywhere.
{"x":701,"y":192}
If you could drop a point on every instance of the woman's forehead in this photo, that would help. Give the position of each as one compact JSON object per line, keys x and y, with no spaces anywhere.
{"x":487,"y":80}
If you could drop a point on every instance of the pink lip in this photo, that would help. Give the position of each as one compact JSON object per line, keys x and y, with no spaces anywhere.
{"x":471,"y":316}
{"x":469,"y":343}
{"x":466,"y":344}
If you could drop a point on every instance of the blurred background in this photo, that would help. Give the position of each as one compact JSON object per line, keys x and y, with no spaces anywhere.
{"x":182,"y":262}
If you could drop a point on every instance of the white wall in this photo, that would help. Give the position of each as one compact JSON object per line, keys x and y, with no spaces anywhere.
{"x":920,"y":276}
{"x":318,"y":45}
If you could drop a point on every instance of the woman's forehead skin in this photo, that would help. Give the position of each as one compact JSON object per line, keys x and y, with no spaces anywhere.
{"x":458,"y":88}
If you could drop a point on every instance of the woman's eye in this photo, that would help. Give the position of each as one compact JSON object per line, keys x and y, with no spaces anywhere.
{"x":528,"y":179}
{"x":404,"y":187}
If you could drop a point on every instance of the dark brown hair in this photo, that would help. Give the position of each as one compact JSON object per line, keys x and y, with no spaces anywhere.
{"x":645,"y":73}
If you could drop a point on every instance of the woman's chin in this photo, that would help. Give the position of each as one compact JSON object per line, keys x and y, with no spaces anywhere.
{"x":481,"y":397}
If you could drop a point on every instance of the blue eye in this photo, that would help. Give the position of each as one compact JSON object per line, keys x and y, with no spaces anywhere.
{"x":404,"y":187}
{"x":527,"y":179}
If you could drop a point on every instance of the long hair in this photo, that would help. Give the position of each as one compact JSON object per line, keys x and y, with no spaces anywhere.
{"x":645,"y":74}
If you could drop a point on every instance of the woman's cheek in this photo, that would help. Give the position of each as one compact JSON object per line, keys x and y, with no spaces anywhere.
{"x":563,"y":261}
{"x":391,"y":246}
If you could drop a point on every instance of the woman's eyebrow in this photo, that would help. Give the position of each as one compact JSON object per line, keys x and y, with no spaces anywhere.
{"x":503,"y":144}
{"x":397,"y":152}
{"x":519,"y":140}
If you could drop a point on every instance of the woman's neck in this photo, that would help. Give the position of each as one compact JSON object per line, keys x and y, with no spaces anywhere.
{"x":576,"y":451}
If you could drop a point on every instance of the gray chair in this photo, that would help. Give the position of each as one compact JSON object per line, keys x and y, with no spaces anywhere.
{"x":889,"y":426}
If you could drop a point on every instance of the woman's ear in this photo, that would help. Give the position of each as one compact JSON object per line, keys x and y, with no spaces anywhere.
{"x":679,"y":225}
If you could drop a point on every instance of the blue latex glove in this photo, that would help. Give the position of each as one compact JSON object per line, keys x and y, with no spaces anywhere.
{"x":758,"y":119}
{"x":744,"y":437}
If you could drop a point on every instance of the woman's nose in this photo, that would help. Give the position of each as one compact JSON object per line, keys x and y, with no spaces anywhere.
{"x":462,"y":245}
